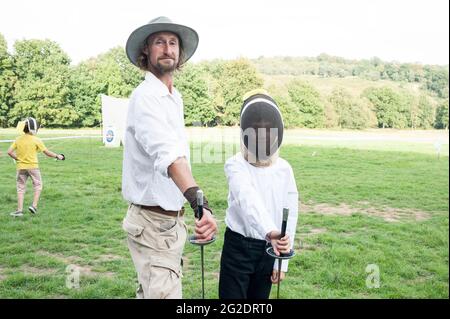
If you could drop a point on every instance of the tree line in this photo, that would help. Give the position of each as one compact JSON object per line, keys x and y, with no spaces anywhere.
{"x":37,"y":79}
{"x":431,"y":77}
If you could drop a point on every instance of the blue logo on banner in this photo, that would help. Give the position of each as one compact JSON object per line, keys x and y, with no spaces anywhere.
{"x":109,"y":136}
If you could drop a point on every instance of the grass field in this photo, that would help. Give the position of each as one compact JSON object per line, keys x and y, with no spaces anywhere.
{"x":359,"y":207}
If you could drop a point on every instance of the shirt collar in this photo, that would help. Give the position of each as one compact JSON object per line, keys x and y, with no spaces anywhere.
{"x":158,"y":86}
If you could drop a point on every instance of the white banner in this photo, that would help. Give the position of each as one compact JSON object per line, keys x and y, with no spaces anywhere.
{"x":114,"y":115}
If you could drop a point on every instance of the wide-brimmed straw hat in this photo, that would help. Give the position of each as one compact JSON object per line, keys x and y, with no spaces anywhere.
{"x":136,"y":40}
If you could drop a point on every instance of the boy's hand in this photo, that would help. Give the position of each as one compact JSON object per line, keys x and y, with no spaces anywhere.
{"x":12,"y":154}
{"x":280,"y":245}
{"x":274,"y":277}
{"x":206,"y":227}
{"x":60,"y":157}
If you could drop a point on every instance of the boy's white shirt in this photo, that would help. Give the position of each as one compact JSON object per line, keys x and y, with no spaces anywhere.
{"x":256,"y":198}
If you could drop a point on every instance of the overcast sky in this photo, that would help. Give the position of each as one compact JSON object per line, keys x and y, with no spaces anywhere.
{"x":400,"y":30}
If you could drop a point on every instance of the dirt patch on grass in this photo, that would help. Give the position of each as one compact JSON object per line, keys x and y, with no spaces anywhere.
{"x":37,"y":271}
{"x":316,"y":231}
{"x":2,"y":275}
{"x":304,"y":237}
{"x":303,"y":247}
{"x":109,"y":257}
{"x":87,"y":271}
{"x":389,"y":214}
{"x":59,"y":257}
{"x":420,"y":280}
{"x":74,"y":264}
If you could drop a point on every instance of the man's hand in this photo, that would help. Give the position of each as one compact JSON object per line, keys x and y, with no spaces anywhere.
{"x":280,"y":245}
{"x":60,"y":157}
{"x":206,"y":227}
{"x":274,"y":277}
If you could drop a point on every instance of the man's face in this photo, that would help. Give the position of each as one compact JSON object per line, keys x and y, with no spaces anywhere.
{"x":163,"y":50}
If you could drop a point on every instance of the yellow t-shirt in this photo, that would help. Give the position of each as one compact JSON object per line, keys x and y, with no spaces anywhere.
{"x":26,"y":147}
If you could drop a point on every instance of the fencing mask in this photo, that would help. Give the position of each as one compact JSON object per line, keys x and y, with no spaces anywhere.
{"x":261,"y":129}
{"x":32,"y":125}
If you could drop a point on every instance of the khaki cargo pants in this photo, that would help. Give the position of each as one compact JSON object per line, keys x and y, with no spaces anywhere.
{"x":156,"y":244}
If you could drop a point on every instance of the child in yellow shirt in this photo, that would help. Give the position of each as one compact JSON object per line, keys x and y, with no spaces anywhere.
{"x":24,"y":151}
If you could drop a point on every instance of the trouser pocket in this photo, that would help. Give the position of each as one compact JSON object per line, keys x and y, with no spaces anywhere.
{"x":132,"y":228}
{"x":164,"y":280}
{"x":156,"y":246}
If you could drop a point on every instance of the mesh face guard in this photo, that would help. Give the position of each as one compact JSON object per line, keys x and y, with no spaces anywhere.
{"x":32,"y":125}
{"x":261,"y":127}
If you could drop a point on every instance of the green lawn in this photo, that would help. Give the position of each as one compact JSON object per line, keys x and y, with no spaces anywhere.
{"x":361,"y":207}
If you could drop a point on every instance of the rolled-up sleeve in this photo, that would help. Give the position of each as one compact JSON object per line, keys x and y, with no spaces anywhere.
{"x":292,"y":200}
{"x":152,"y":134}
{"x":249,"y":199}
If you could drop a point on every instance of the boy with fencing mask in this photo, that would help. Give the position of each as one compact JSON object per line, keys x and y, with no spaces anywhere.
{"x":260,"y":184}
{"x":24,"y":151}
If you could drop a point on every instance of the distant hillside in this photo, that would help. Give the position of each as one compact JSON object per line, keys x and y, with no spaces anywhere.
{"x":433,"y":78}
{"x":335,"y":92}
{"x":353,"y":84}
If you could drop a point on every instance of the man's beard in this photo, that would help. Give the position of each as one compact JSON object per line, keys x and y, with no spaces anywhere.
{"x":165,"y":68}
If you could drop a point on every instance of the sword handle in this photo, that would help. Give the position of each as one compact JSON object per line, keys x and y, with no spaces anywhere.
{"x":284,"y":223}
{"x":199,"y":212}
{"x":283,"y":227}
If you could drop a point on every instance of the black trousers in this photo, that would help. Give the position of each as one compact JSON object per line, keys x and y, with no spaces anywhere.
{"x":245,"y":268}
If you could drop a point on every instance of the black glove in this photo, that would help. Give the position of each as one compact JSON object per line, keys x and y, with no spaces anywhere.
{"x":64,"y":158}
{"x":191,"y":195}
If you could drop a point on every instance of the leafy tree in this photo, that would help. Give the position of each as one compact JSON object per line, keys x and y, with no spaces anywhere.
{"x":212,"y":72}
{"x":426,"y":113}
{"x":237,"y":78}
{"x":331,"y":117}
{"x":403,"y":113}
{"x":351,"y":113}
{"x":437,"y":80}
{"x":309,"y":104}
{"x":391,"y":108}
{"x":119,"y":76}
{"x":85,"y":90}
{"x":7,"y":80}
{"x":41,"y":89}
{"x":414,"y":121}
{"x":198,"y":104}
{"x":110,"y":74}
{"x":289,"y":111}
{"x":442,"y":115}
{"x":342,"y":102}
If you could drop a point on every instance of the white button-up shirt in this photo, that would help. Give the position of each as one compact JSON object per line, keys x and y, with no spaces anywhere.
{"x":257,"y":196}
{"x":155,"y":137}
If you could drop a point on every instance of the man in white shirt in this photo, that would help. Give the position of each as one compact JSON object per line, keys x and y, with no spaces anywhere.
{"x":260,"y":184}
{"x":156,"y":177}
